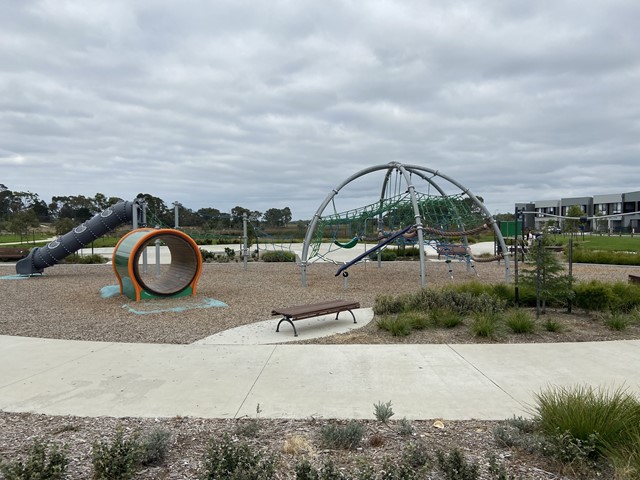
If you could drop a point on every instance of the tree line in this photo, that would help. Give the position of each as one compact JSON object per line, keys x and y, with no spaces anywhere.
{"x":22,"y":211}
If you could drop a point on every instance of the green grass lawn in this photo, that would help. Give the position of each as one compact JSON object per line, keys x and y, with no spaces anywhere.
{"x":12,"y":238}
{"x":606,"y":243}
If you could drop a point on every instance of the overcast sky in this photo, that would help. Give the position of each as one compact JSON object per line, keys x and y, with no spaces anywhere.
{"x":274,"y":103}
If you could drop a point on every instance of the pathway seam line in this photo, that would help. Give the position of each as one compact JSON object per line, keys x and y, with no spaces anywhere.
{"x":486,"y":376}
{"x":244,"y":400}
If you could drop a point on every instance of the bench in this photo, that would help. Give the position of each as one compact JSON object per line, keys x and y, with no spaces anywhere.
{"x":452,"y":250}
{"x":291,"y":314}
{"x":13,"y":253}
{"x":634,"y":279}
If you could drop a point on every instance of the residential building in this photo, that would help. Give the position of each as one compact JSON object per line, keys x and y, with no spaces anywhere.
{"x":620,"y":212}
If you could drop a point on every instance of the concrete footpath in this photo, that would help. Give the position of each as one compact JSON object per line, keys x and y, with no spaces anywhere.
{"x":300,"y":381}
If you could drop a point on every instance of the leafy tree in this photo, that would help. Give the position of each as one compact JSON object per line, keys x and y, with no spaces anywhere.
{"x":190,"y":218}
{"x":76,"y":207}
{"x":601,"y":223}
{"x":236,"y":215}
{"x":102,"y":202}
{"x":157,"y":210}
{"x":63,"y":225}
{"x":571,"y":224}
{"x":20,"y":222}
{"x":276,"y":217}
{"x":545,"y":273}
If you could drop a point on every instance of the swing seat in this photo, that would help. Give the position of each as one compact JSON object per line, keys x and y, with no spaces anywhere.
{"x":350,"y":244}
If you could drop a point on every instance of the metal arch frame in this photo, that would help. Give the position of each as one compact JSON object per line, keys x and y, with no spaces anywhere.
{"x":405,"y":171}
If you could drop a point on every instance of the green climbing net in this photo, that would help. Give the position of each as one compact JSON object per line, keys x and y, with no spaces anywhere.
{"x":454,"y":213}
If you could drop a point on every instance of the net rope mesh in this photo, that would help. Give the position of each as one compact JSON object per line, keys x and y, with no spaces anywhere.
{"x":450,"y":213}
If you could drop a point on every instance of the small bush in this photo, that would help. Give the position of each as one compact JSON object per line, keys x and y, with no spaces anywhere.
{"x":386,"y":255}
{"x":416,"y":455}
{"x":626,"y":458}
{"x":626,"y":297}
{"x":445,"y":317}
{"x":396,"y":325}
{"x":282,"y":256}
{"x":456,"y":467}
{"x":604,"y":257}
{"x":206,"y":255}
{"x":42,"y":463}
{"x":229,"y":460}
{"x":417,"y":320}
{"x":593,"y":296}
{"x":551,"y":325}
{"x":617,"y":322}
{"x":519,"y":321}
{"x":118,"y":460}
{"x":347,"y":436}
{"x":520,"y":433}
{"x":383,"y":411}
{"x":405,"y":427}
{"x":581,"y":416}
{"x":85,"y":259}
{"x":155,"y":445}
{"x":390,"y":304}
{"x":485,"y":324}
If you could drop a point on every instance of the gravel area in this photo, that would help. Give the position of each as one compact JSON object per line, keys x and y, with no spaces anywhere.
{"x":66,"y":303}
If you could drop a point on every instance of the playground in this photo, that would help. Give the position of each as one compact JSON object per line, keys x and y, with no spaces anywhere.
{"x":66,"y":301}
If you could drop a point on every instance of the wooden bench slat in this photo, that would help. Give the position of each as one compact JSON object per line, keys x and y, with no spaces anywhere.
{"x":299,"y":312}
{"x":315,"y":309}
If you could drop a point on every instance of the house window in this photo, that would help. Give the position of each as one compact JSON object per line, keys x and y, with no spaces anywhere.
{"x":617,"y":207}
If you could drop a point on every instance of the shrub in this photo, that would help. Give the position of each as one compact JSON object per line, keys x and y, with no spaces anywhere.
{"x":581,"y":417}
{"x":383,"y":411}
{"x":390,"y":304}
{"x":485,"y":324}
{"x":617,"y":322}
{"x":416,"y":455}
{"x":118,"y":460}
{"x":626,"y":297}
{"x":386,"y":255}
{"x":593,"y":295}
{"x":405,"y":427}
{"x":396,"y":325}
{"x":417,"y":320}
{"x":626,"y":458}
{"x":41,"y":463}
{"x":456,"y":467}
{"x":551,"y":325}
{"x":520,"y":433}
{"x":226,"y":459}
{"x":206,"y":255}
{"x":519,"y":321}
{"x":603,"y":257}
{"x":155,"y":445}
{"x":347,"y":436}
{"x":85,"y":259}
{"x":278,"y":257}
{"x":445,"y":317}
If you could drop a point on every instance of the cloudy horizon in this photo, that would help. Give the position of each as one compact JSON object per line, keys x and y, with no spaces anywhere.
{"x":273,"y":104}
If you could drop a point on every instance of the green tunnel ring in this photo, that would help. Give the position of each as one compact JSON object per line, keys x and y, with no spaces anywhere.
{"x":178,"y":279}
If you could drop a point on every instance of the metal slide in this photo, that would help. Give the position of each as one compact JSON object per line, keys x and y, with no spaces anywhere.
{"x":383,"y":243}
{"x":81,"y":236}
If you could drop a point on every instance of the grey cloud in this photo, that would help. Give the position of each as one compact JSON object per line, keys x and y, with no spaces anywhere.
{"x":244,"y":103}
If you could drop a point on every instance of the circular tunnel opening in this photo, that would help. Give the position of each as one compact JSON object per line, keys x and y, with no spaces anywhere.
{"x":169,"y":279}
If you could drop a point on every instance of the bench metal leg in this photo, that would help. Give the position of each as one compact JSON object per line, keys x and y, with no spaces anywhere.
{"x":354,"y":317}
{"x":285,"y":319}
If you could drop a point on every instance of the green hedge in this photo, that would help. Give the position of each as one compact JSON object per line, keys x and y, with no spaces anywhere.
{"x":278,"y":257}
{"x":608,"y":258}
